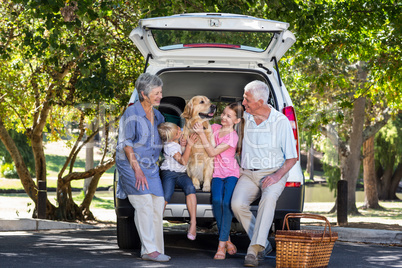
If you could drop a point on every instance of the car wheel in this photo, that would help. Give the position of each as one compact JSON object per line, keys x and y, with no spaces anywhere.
{"x":127,"y":235}
{"x":294,"y":224}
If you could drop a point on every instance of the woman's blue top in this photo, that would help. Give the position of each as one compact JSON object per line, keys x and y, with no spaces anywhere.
{"x":136,"y":130}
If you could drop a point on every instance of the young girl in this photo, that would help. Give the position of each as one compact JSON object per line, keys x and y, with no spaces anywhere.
{"x":173,"y":170}
{"x":226,"y":172}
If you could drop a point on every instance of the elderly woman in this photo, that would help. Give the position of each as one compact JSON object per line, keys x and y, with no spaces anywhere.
{"x":137,"y":152}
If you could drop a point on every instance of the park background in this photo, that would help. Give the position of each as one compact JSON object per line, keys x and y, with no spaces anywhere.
{"x":15,"y":203}
{"x":68,"y":69}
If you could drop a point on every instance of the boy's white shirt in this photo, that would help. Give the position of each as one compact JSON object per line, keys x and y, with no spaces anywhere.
{"x":169,"y":150}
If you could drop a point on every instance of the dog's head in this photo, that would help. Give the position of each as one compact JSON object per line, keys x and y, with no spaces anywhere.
{"x":199,"y":107}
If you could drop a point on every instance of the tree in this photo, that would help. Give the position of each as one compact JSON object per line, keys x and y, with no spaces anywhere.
{"x":345,"y":57}
{"x":370,"y":183}
{"x":388,"y":160}
{"x":369,"y":176}
{"x":58,"y":55}
{"x":63,"y":58}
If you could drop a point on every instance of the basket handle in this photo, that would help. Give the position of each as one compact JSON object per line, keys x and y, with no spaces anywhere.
{"x":311,"y":216}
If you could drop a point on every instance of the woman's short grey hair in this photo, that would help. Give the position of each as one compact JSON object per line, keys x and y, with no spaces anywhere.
{"x":258,"y":89}
{"x":145,"y":83}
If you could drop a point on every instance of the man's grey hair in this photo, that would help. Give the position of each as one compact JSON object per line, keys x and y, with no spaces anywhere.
{"x":258,"y":89}
{"x":145,"y":83}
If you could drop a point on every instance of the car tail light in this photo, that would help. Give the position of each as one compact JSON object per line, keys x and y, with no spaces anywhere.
{"x":293,"y":184}
{"x":289,"y":112}
{"x":212,"y":45}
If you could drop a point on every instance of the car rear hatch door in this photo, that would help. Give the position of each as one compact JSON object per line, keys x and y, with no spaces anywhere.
{"x":201,"y":38}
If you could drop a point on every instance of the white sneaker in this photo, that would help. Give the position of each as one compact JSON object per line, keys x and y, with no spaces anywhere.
{"x":160,"y":258}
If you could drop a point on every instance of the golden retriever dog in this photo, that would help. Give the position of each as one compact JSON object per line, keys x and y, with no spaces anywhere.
{"x":200,"y":166}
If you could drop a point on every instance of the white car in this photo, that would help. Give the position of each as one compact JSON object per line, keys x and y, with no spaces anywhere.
{"x":214,"y":55}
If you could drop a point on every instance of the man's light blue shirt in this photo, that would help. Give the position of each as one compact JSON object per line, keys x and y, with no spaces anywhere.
{"x":269,"y":144}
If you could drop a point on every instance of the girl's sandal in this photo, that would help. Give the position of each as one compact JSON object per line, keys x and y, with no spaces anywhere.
{"x":191,"y":237}
{"x":221,"y":253}
{"x":231,"y":248}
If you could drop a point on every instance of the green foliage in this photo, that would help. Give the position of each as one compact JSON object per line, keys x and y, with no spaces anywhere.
{"x":330,"y":165}
{"x":76,"y":56}
{"x":63,"y":61}
{"x":388,"y":143}
{"x":333,"y":175}
{"x":7,"y":170}
{"x":331,"y":37}
{"x":165,"y":8}
{"x":80,"y":47}
{"x":24,"y":147}
{"x":320,"y":69}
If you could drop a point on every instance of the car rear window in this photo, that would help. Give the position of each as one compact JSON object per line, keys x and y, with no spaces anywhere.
{"x":181,"y":39}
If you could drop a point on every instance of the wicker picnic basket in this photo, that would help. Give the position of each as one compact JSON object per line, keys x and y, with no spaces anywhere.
{"x":304,"y":248}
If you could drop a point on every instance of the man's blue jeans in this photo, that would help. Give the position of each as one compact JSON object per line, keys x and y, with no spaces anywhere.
{"x":222,"y":191}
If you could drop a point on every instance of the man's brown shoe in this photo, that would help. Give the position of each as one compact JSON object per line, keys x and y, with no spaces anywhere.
{"x":250,"y":261}
{"x":262,"y":254}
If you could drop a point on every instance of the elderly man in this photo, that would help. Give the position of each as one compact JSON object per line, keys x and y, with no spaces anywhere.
{"x":269,"y":152}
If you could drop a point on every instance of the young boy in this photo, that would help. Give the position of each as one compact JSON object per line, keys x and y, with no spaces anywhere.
{"x":173,"y":170}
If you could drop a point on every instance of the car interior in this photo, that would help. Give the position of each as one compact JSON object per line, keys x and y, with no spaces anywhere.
{"x":171,"y":107}
{"x":219,"y":85}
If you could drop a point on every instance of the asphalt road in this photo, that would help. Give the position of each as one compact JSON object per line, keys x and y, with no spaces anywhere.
{"x":98,"y":248}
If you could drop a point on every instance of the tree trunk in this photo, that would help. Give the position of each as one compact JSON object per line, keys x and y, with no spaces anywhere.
{"x":350,"y":161}
{"x":385,"y":180}
{"x":22,"y":170}
{"x":39,"y":155}
{"x":370,"y":184}
{"x":89,"y":159}
{"x":23,"y":173}
{"x":41,"y":114}
{"x":310,"y":162}
{"x":68,"y":209}
{"x":40,"y":166}
{"x":86,"y":213}
{"x":396,"y":178}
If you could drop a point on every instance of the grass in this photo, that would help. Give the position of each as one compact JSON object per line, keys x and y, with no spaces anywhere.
{"x":390,"y":209}
{"x":394,"y":213}
{"x":54,"y":164}
{"x":314,"y":195}
{"x":390,"y":215}
{"x":15,"y":184}
{"x":97,"y":202}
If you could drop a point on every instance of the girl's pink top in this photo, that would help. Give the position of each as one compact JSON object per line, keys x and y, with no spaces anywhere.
{"x":225,"y":163}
